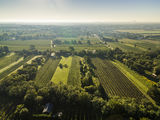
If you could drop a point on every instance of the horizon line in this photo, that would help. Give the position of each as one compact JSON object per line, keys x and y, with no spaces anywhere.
{"x":74,"y":21}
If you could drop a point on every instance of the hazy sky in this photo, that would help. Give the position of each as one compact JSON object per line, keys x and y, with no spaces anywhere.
{"x":80,"y":10}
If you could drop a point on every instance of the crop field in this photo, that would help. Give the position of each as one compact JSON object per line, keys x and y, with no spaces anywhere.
{"x":145,"y":44}
{"x":141,"y":31}
{"x":114,"y":81}
{"x":18,"y":45}
{"x":7,"y":60}
{"x":141,"y":45}
{"x":134,"y":75}
{"x":14,"y":68}
{"x":74,"y":73}
{"x":81,"y":115}
{"x":46,"y":72}
{"x":11,"y":65}
{"x":61,"y":74}
{"x":124,"y":47}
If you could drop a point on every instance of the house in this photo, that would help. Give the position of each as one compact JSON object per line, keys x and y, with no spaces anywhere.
{"x":48,"y":108}
{"x":154,"y":75}
{"x":53,"y":54}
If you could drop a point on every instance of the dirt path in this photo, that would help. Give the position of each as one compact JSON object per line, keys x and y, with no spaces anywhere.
{"x":30,"y":61}
{"x":11,"y":54}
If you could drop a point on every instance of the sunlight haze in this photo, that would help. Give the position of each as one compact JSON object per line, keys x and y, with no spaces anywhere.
{"x":80,"y":10}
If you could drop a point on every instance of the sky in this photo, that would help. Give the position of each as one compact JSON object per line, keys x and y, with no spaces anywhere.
{"x":80,"y":10}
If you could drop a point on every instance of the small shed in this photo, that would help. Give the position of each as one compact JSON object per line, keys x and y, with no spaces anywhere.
{"x":48,"y":108}
{"x":154,"y":75}
{"x":53,"y":54}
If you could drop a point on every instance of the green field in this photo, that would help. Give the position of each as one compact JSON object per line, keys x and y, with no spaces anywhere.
{"x":14,"y":68}
{"x":124,"y":47}
{"x":128,"y":45}
{"x":11,"y":65}
{"x":140,"y":31}
{"x":17,"y":45}
{"x":61,"y":74}
{"x":46,"y":72}
{"x":74,"y":73}
{"x":7,"y":60}
{"x":137,"y":79}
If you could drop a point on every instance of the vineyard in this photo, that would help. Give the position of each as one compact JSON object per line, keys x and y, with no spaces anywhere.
{"x":80,"y":115}
{"x":46,"y":72}
{"x":74,"y":73}
{"x":76,"y":114}
{"x":114,"y":82}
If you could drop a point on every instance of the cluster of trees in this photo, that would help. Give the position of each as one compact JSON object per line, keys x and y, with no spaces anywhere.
{"x":109,"y":39}
{"x":154,"y":92}
{"x":141,"y":63}
{"x":4,"y":37}
{"x":12,"y":85}
{"x":74,"y":42}
{"x":64,"y":96}
{"x":128,"y":35}
{"x":3,"y":50}
{"x":155,"y":37}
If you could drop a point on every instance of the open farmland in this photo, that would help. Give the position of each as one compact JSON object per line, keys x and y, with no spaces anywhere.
{"x":61,"y":74}
{"x":114,"y":82}
{"x":125,"y":47}
{"x":46,"y":72}
{"x":14,"y":68}
{"x":141,"y":45}
{"x":18,"y":45}
{"x":74,"y":73}
{"x":11,"y":65}
{"x":9,"y":59}
{"x":141,"y":31}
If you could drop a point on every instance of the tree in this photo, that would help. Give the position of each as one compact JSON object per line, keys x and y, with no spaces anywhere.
{"x":157,"y":70}
{"x":89,"y":42}
{"x":79,"y":42}
{"x":32,"y":47}
{"x":21,"y":113}
{"x":71,"y":48}
{"x":6,"y":49}
{"x":60,"y":65}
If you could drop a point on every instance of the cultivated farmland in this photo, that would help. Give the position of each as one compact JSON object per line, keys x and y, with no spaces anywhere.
{"x":9,"y":59}
{"x":46,"y":72}
{"x":114,"y":82}
{"x":14,"y":68}
{"x":61,"y":74}
{"x":74,"y":73}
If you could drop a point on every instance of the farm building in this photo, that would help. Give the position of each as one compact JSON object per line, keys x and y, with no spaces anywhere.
{"x":48,"y":108}
{"x":53,"y":55}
